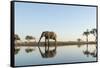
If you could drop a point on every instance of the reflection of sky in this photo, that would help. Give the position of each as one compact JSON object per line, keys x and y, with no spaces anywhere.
{"x":65,"y":54}
{"x":68,"y":22}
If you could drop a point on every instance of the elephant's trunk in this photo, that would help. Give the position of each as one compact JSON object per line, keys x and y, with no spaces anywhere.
{"x":38,"y":44}
{"x":39,"y":40}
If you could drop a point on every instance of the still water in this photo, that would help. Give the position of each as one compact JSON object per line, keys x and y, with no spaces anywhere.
{"x":63,"y":54}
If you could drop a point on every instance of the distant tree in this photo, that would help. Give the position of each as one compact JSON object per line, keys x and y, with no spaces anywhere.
{"x":86,"y":33}
{"x":16,"y":37}
{"x":79,"y":44}
{"x":78,"y":39}
{"x":30,"y":38}
{"x":94,"y":32}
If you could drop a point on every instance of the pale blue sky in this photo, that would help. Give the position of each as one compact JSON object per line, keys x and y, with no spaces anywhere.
{"x":67,"y":21}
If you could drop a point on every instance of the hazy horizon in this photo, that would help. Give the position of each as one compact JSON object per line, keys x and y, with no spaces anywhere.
{"x":68,"y":22}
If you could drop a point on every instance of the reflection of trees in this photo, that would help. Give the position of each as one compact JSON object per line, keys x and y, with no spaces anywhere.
{"x":94,"y":53}
{"x":79,"y":45}
{"x":87,"y":52}
{"x":17,"y":50}
{"x":29,"y":50}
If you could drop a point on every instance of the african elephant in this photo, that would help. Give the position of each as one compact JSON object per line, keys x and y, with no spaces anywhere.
{"x":48,"y":35}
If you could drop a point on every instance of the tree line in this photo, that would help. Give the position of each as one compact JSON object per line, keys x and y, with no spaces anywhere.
{"x":28,"y":37}
{"x":85,"y":33}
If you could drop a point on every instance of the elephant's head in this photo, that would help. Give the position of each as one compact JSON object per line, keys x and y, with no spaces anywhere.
{"x":48,"y":35}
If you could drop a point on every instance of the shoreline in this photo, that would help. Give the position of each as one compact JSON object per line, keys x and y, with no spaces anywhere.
{"x":52,"y":43}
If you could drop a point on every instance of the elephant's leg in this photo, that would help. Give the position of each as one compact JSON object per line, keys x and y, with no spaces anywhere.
{"x":45,"y":45}
{"x":48,"y":44}
{"x":55,"y":44}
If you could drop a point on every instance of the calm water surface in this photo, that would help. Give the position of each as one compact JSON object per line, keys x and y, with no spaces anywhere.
{"x":63,"y":54}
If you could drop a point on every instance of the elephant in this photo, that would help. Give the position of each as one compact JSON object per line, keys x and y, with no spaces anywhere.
{"x":48,"y":35}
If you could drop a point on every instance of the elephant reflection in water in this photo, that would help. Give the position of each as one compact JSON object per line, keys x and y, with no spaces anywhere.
{"x":48,"y":53}
{"x":48,"y":35}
